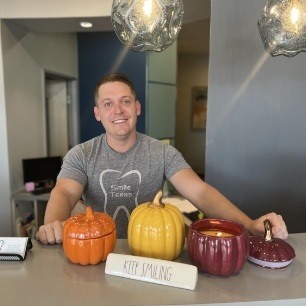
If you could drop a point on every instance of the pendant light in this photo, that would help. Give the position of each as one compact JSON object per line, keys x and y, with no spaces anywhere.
{"x":147,"y":25}
{"x":282,"y":27}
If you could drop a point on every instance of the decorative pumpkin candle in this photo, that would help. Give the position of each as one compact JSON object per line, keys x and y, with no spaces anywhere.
{"x":88,"y":238}
{"x":156,"y":230}
{"x":218,"y":247}
{"x":269,"y":252}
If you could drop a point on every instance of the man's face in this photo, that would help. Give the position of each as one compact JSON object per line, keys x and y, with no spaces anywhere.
{"x":117,"y":109}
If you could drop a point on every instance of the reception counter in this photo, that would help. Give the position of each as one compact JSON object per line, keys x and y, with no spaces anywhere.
{"x":47,"y":277}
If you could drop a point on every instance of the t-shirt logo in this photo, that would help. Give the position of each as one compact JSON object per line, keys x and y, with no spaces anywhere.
{"x":120,"y":191}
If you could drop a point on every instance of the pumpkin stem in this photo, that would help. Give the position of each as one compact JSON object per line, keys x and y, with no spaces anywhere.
{"x":268,"y":231}
{"x":89,"y":213}
{"x":157,"y":200}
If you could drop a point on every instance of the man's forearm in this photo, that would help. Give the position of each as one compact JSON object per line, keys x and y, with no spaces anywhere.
{"x":59,"y":207}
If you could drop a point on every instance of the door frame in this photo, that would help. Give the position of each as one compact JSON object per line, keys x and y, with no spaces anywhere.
{"x":72,"y":109}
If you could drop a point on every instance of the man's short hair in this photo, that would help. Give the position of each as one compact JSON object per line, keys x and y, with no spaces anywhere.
{"x":114,"y":77}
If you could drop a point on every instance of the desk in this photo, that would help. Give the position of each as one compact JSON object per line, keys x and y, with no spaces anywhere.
{"x":39,"y":206}
{"x":47,"y":277}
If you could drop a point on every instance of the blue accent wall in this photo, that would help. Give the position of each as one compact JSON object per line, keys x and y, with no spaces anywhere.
{"x":101,"y":53}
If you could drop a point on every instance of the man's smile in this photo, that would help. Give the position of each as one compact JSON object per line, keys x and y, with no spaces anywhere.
{"x":120,"y":121}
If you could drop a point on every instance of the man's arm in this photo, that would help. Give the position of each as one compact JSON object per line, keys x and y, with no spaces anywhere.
{"x":63,"y":199}
{"x":213,"y":204}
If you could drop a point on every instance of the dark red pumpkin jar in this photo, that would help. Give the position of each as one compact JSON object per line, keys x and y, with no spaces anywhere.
{"x":218,"y":247}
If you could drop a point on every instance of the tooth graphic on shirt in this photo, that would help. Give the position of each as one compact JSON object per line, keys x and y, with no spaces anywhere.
{"x":123,"y":189}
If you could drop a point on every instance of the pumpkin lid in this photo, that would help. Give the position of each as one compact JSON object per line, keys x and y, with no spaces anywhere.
{"x":89,"y":225}
{"x":269,"y":252}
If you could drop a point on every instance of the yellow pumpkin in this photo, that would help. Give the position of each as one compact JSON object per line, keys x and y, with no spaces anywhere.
{"x":156,"y":230}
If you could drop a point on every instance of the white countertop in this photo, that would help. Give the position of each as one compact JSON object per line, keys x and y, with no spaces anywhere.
{"x":47,"y":277}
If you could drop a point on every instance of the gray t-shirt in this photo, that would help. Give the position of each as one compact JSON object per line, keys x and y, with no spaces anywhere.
{"x":118,"y":182}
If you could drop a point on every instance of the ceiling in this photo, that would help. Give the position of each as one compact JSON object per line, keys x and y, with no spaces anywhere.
{"x":193,"y":37}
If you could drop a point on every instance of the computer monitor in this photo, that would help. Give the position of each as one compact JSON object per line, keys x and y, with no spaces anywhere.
{"x":40,"y":169}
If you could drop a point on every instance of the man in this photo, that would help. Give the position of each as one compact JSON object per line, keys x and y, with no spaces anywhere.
{"x":122,"y":168}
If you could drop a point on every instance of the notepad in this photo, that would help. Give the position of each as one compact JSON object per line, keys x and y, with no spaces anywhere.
{"x":14,"y":248}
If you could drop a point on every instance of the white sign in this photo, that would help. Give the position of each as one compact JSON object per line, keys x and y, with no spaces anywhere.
{"x":152,"y":270}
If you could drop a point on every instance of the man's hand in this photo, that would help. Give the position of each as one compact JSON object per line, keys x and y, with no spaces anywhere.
{"x":50,"y":233}
{"x":279,"y":229}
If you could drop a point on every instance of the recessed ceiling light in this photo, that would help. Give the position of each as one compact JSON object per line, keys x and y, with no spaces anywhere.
{"x":85,"y":24}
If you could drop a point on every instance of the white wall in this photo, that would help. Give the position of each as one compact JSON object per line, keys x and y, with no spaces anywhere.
{"x":161,"y":93}
{"x":192,"y":71}
{"x":25,"y":58}
{"x":256,"y":144}
{"x":5,"y":208}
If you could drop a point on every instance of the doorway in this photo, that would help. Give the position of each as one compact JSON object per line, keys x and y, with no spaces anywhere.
{"x":60,"y":110}
{"x":193,"y":65}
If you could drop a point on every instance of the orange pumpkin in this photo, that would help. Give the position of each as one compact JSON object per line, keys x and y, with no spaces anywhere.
{"x":88,"y":238}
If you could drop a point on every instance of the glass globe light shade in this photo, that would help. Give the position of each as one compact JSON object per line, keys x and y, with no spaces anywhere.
{"x":293,"y":17}
{"x":282,"y":27}
{"x":147,"y":25}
